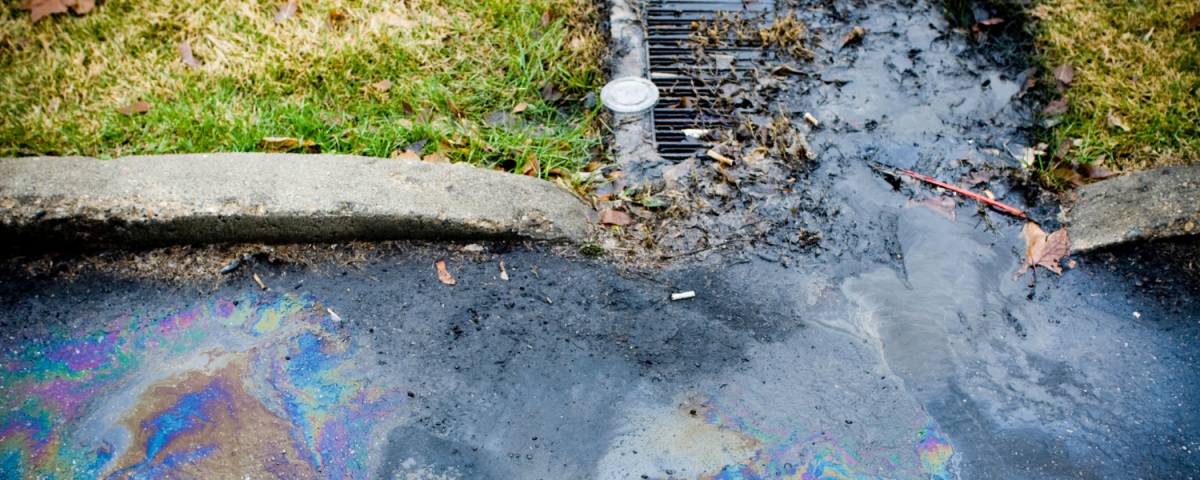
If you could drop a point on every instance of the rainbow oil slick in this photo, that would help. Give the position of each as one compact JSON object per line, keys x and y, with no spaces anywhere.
{"x":809,"y":448}
{"x":259,"y":385}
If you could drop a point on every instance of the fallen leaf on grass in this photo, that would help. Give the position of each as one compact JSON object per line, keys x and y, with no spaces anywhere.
{"x":520,"y":107}
{"x":335,"y":16}
{"x":286,"y":11}
{"x":1063,"y":75}
{"x":382,"y":85}
{"x":613,"y":217}
{"x":397,"y":21}
{"x":1115,"y":121}
{"x":500,"y":118}
{"x":1057,"y":107}
{"x":551,"y":93}
{"x":1095,"y":172}
{"x":286,"y":144}
{"x":135,"y":107}
{"x":436,"y":157}
{"x":532,"y":167}
{"x":402,"y":154}
{"x":1193,"y":22}
{"x":443,"y":274}
{"x":42,"y":8}
{"x":547,"y":17}
{"x":943,"y":205}
{"x":185,"y":54}
{"x":1043,"y":250}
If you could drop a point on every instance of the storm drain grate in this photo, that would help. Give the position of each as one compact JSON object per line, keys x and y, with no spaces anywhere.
{"x":688,"y":78}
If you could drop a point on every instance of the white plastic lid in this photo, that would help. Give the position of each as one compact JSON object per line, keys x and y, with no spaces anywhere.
{"x":629,"y":95}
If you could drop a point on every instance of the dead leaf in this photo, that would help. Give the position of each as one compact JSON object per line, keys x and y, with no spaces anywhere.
{"x":500,"y":118}
{"x":185,"y":54}
{"x":287,"y":144}
{"x":717,"y":156}
{"x":286,"y":11}
{"x":382,"y":85}
{"x":1067,"y":175}
{"x":547,"y":17}
{"x":1043,"y":250}
{"x":1095,"y":172}
{"x":521,"y":107}
{"x":1193,"y":22}
{"x":397,"y":21}
{"x":557,"y":172}
{"x":443,"y":274}
{"x":1115,"y":121}
{"x":1063,"y":75}
{"x":531,"y":167}
{"x":402,"y":154}
{"x":976,"y":178}
{"x":613,"y":217}
{"x":551,"y":93}
{"x":436,"y":157}
{"x":335,"y":16}
{"x":41,"y":8}
{"x":943,"y":205}
{"x":680,"y":170}
{"x":135,"y":107}
{"x":1057,"y":107}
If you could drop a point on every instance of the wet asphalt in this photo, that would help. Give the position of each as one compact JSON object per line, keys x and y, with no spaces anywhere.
{"x":901,"y":347}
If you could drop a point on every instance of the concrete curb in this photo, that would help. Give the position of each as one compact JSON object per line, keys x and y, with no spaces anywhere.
{"x":145,"y":201}
{"x":1138,"y":207}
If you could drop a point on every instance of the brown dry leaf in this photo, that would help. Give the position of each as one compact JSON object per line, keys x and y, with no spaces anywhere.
{"x":1115,"y":121}
{"x":976,"y":178}
{"x":444,"y":275}
{"x":613,"y":217}
{"x":520,"y":107}
{"x":336,"y":15}
{"x":1043,"y":250}
{"x":532,"y":167}
{"x":1057,"y":107}
{"x":286,"y":11}
{"x":402,"y":154}
{"x":1063,"y":75}
{"x":1193,"y":22}
{"x":135,"y":107}
{"x":285,"y":144}
{"x":943,"y":205}
{"x":547,"y":17}
{"x":382,"y":85}
{"x":398,"y":21}
{"x":1095,"y":171}
{"x":185,"y":54}
{"x":551,"y":93}
{"x":436,"y":157}
{"x":557,"y":172}
{"x":41,"y":8}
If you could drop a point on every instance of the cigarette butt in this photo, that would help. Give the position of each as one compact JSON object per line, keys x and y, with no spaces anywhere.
{"x":503,"y":272}
{"x":681,"y":296}
{"x":259,"y":282}
{"x":811,"y":119}
{"x":334,"y":316}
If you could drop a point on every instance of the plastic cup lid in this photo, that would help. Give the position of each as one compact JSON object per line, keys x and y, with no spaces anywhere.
{"x":629,"y":95}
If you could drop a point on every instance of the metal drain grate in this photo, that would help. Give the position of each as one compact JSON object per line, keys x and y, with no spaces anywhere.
{"x":678,"y":74}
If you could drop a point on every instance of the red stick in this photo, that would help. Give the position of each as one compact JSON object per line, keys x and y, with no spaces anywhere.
{"x":976,"y":196}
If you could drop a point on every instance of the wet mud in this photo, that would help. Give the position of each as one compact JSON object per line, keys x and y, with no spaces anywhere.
{"x":897,"y":345}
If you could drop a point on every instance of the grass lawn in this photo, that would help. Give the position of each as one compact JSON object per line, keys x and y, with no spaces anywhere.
{"x":1135,"y":100}
{"x":321,"y":76}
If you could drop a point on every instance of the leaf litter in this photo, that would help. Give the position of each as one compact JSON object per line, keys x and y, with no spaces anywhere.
{"x":1042,"y":250}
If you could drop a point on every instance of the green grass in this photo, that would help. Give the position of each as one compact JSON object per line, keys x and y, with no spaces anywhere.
{"x":1151,"y":84}
{"x":63,"y":79}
